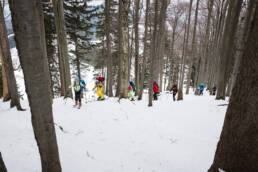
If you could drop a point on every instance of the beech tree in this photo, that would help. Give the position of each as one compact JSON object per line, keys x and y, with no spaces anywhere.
{"x":153,"y":53}
{"x":143,"y":66}
{"x":237,"y":148}
{"x":227,"y":46}
{"x":123,"y":47}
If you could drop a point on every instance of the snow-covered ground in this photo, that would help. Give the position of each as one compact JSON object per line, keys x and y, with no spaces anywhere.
{"x":108,"y":136}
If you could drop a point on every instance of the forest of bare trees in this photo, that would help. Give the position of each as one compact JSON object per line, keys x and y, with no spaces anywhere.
{"x":187,"y":43}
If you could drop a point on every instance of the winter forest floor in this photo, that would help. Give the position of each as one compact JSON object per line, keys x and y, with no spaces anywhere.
{"x":110,"y":137}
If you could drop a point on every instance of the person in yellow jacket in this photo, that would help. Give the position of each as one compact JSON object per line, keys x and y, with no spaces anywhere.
{"x":99,"y":85}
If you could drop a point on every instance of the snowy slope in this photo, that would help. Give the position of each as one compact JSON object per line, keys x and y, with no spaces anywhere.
{"x":111,"y":137}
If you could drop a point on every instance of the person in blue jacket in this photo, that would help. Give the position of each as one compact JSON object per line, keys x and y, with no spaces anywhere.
{"x":201,"y":88}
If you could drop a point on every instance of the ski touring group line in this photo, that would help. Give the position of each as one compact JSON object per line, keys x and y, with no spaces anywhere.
{"x":79,"y":86}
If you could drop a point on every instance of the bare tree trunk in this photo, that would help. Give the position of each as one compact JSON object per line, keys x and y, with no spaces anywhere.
{"x":62,"y":48}
{"x":242,"y":42}
{"x":193,"y":49}
{"x":28,"y":25}
{"x":171,"y":67}
{"x":109,"y":56}
{"x":6,"y":95}
{"x":2,"y":165}
{"x":136,"y":30}
{"x":153,"y":53}
{"x":227,"y":47}
{"x":160,"y":42}
{"x":8,"y":66}
{"x":77,"y":59}
{"x":123,"y":52}
{"x":182,"y":71}
{"x":236,"y":149}
{"x":204,"y":59}
{"x":141,"y":84}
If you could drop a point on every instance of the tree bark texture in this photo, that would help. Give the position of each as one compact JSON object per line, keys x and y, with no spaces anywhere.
{"x":153,"y":53}
{"x":228,"y":45}
{"x":160,"y":41}
{"x":204,"y":59}
{"x":123,"y":52}
{"x":182,"y":68}
{"x":237,"y":149}
{"x":143,"y":66}
{"x":192,"y":53}
{"x":136,"y":32}
{"x":64,"y":65}
{"x":108,"y":46}
{"x":28,"y":25}
{"x":6,"y":95}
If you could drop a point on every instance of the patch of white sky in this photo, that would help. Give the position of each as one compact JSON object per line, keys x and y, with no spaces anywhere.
{"x":96,"y":2}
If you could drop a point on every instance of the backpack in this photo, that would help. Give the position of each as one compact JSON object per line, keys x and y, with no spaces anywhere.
{"x":101,"y":79}
{"x":82,"y":84}
{"x":133,"y":86}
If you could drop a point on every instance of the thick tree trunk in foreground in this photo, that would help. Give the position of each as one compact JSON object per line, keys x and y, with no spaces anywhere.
{"x":8,"y":65}
{"x":62,"y":48}
{"x":6,"y":95}
{"x":109,"y":56}
{"x":123,"y":52}
{"x":227,"y":46}
{"x":143,"y":66}
{"x":2,"y":165}
{"x":242,"y":41}
{"x":237,"y":149}
{"x":28,"y":25}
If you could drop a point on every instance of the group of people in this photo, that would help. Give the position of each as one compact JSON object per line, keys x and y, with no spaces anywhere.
{"x":202,"y":87}
{"x":155,"y":87}
{"x":79,"y":86}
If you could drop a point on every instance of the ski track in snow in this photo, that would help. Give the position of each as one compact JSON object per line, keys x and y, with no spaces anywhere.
{"x":108,"y":136}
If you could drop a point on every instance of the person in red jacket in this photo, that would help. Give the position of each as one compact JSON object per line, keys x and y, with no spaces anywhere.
{"x":155,"y":90}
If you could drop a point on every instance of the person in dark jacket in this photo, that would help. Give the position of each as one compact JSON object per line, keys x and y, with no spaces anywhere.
{"x":174,"y":90}
{"x":214,"y":89}
{"x":155,"y":90}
